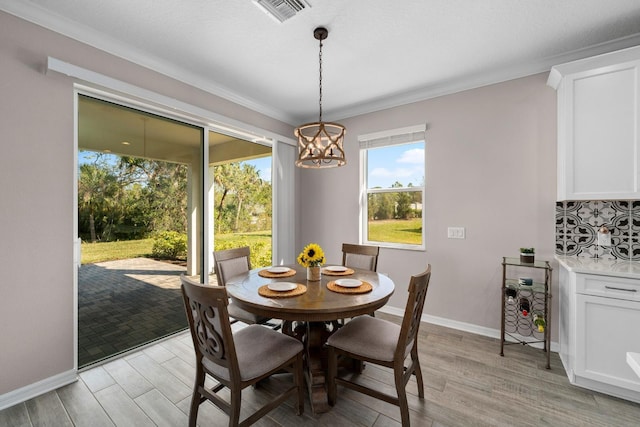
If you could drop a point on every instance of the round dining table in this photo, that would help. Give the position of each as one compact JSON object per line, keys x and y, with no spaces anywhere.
{"x":313,"y":315}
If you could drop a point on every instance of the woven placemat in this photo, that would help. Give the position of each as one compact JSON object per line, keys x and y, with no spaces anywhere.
{"x":270,"y":275}
{"x":362,"y":289}
{"x":347,"y":272}
{"x":266,"y":292}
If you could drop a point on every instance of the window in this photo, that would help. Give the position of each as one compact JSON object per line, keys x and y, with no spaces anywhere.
{"x":392,"y":179}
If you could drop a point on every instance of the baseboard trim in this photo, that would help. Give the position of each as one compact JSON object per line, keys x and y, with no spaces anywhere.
{"x":612,"y":390}
{"x":36,"y":389}
{"x":466,"y":327}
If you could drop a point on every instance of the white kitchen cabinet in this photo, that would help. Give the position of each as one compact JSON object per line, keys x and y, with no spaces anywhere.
{"x":606,"y":333}
{"x":598,"y":320}
{"x":567,"y":322}
{"x":598,"y":126}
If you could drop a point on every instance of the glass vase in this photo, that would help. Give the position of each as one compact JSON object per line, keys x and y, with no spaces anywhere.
{"x":313,"y":274}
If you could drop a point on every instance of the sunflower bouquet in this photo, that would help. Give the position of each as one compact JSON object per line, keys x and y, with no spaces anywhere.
{"x":311,"y":256}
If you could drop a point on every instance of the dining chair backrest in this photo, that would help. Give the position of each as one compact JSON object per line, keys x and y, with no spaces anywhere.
{"x":236,"y":360}
{"x":231,"y":262}
{"x":363,"y":257}
{"x":412,"y":314}
{"x":206,"y":308}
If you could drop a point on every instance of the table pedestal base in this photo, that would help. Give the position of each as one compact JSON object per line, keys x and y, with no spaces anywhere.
{"x":313,"y":335}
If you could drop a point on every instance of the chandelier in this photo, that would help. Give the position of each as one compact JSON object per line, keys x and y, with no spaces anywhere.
{"x":320,"y":144}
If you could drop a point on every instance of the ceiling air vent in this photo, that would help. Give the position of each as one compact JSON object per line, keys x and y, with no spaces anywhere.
{"x":281,"y":10}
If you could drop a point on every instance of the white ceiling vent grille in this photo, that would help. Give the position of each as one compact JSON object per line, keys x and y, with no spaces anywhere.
{"x":281,"y":10}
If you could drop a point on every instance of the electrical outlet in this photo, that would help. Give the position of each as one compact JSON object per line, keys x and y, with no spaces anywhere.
{"x":604,"y":239}
{"x":455,"y":232}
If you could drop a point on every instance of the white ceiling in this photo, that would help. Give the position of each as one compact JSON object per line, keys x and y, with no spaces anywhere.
{"x":379,"y":53}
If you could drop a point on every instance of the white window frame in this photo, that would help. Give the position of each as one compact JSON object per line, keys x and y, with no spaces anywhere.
{"x":401,"y":136}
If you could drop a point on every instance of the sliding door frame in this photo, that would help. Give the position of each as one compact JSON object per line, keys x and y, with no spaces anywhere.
{"x":115,"y":91}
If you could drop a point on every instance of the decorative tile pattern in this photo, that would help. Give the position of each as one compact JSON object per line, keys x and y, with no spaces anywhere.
{"x":560,"y":229}
{"x":577,"y":224}
{"x":634,"y":221}
{"x":635,"y":247}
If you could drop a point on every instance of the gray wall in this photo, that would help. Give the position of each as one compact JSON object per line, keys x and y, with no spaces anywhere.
{"x":491,"y":168}
{"x":36,"y":190}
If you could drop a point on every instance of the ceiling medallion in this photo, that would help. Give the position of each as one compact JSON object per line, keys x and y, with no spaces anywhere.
{"x":320,"y":144}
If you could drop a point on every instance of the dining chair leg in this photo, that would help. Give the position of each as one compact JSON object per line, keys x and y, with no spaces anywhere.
{"x":193,"y":411}
{"x":299,"y":379}
{"x":196,"y":398}
{"x":416,"y":369}
{"x":332,"y":371}
{"x":357,"y":366}
{"x":234,"y":413}
{"x":402,"y":396}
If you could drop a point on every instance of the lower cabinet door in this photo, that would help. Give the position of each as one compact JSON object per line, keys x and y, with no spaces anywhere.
{"x":606,"y":329}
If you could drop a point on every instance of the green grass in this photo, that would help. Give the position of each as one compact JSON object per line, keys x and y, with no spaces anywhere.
{"x":407,"y":231}
{"x":260,"y":243}
{"x":397,"y":231}
{"x":109,"y":251}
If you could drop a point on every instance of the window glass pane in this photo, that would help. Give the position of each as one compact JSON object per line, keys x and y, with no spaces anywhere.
{"x":396,"y":166}
{"x":242,"y":196}
{"x":395,"y":217}
{"x":140,"y":218}
{"x":395,"y":181}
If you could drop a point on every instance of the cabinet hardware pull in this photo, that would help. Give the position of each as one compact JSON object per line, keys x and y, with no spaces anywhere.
{"x":620,"y":289}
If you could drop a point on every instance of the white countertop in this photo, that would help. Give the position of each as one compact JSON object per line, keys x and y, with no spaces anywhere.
{"x":619,"y":268}
{"x":633,"y":359}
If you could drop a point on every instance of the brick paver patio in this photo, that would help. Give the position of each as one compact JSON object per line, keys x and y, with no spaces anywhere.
{"x":125,"y":304}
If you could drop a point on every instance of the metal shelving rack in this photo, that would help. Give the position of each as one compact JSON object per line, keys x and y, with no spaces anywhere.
{"x":520,"y":328}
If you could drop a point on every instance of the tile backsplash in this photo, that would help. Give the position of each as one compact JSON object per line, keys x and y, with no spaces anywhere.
{"x":577,"y":224}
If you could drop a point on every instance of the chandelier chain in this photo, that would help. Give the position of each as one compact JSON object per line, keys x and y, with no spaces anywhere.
{"x":320,"y":98}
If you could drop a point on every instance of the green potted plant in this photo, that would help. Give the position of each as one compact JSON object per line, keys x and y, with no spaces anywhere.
{"x":527,"y":255}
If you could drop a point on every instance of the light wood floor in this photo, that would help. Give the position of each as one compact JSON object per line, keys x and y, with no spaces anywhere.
{"x":466,"y":384}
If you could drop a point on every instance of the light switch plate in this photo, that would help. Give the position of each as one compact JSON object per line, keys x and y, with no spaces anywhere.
{"x":455,"y":232}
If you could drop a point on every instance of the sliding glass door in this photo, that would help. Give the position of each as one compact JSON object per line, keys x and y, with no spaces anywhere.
{"x":140,"y":209}
{"x":240,"y":196}
{"x":156,"y":196}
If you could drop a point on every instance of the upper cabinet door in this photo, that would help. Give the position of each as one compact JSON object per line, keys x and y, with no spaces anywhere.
{"x":598,"y":138}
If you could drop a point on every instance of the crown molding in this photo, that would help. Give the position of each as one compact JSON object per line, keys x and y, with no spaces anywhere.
{"x":610,"y":59}
{"x":39,"y":16}
{"x":86,"y":35}
{"x":489,"y":77}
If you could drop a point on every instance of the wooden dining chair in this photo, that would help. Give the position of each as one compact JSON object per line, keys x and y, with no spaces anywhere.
{"x":384,"y":343}
{"x":236,"y":360}
{"x":364,"y":257}
{"x":229,"y":263}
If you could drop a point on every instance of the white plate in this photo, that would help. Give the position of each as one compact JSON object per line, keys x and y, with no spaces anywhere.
{"x":348,"y":283}
{"x":336,"y":268}
{"x":282,"y":286}
{"x":278,"y":269}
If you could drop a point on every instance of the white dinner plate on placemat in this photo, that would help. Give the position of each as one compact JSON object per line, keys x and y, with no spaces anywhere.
{"x":336,"y":268}
{"x":282,"y":286}
{"x":278,"y":270}
{"x":348,"y":283}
